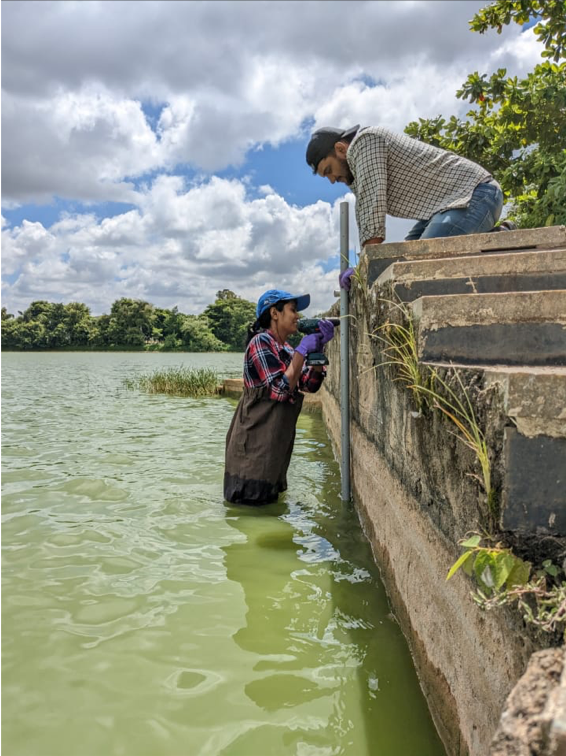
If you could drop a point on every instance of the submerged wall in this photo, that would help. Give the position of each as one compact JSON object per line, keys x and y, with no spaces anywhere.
{"x":418,"y":488}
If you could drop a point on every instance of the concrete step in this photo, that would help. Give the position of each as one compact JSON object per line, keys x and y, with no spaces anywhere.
{"x":533,"y":496}
{"x":534,"y":448}
{"x":377,"y":257}
{"x":516,"y":328}
{"x":478,"y":274}
{"x":534,"y":397}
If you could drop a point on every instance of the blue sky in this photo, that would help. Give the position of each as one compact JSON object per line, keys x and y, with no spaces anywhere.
{"x":160,"y":155}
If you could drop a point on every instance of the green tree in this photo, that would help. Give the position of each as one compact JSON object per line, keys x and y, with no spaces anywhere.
{"x":197,"y":337}
{"x":78,"y":324}
{"x":131,"y":322}
{"x":11,"y":332}
{"x":229,"y":318}
{"x":517,"y":129}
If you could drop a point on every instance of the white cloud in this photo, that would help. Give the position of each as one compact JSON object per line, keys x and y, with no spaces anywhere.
{"x":107,"y":102}
{"x":179,"y":247}
{"x":229,"y":76}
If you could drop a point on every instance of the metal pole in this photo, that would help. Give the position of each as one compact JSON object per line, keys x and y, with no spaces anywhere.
{"x":345,"y":355}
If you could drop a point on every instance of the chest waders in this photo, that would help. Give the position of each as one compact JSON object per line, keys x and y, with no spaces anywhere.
{"x":259,"y":445}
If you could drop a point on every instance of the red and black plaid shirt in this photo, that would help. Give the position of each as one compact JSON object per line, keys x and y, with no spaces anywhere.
{"x":265,"y":364}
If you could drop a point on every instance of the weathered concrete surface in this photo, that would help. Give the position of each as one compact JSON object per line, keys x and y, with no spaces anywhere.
{"x":494,"y":273}
{"x":533,"y":397}
{"x":491,"y":309}
{"x":521,"y":328}
{"x":418,"y":487}
{"x":380,"y":256}
{"x":532,"y":723}
{"x":467,"y":660}
{"x":534,"y":484}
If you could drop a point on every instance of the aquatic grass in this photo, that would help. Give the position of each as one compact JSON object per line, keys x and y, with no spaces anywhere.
{"x":177,"y":381}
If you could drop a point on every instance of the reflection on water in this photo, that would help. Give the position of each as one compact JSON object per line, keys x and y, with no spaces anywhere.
{"x":143,"y":616}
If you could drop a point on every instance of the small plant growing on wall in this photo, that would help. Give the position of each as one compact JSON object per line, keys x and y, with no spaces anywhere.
{"x":461,"y":413}
{"x":429,"y":390}
{"x":400,"y":350}
{"x":503,"y":578}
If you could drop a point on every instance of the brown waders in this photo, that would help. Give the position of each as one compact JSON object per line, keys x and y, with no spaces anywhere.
{"x":259,"y":445}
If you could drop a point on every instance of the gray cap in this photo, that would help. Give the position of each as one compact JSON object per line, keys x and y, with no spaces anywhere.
{"x":323,"y":141}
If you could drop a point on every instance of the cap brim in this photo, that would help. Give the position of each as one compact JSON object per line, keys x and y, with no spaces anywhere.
{"x":303,"y":302}
{"x":350,"y":132}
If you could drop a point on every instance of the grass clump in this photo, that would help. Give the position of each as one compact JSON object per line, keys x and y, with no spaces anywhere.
{"x":399,"y":347}
{"x":180,"y":381}
{"x":400,"y":350}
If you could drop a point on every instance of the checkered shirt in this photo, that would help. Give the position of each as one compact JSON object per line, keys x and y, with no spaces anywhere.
{"x":265,"y":363}
{"x":397,"y":175}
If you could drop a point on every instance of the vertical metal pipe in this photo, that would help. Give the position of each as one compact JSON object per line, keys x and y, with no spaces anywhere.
{"x":345,"y":355}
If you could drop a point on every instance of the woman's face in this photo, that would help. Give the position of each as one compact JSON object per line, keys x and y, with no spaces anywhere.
{"x":285,"y":323}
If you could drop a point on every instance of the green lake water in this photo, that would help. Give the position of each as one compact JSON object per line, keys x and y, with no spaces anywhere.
{"x":143,"y":616}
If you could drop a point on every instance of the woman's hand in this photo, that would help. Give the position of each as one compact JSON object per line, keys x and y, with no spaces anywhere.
{"x":327,"y":331}
{"x":311,"y":343}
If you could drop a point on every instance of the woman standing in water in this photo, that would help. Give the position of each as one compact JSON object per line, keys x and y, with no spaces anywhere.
{"x":260,"y":440}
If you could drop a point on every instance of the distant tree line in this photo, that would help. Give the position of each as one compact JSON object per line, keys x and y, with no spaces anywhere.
{"x":132,"y":324}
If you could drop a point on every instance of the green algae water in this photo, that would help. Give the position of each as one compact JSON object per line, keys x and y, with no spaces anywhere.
{"x":143,"y":616}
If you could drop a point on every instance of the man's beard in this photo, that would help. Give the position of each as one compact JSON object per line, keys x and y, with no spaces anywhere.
{"x":345,"y":171}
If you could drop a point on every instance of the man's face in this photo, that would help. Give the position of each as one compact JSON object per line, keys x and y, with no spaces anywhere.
{"x":335,"y":167}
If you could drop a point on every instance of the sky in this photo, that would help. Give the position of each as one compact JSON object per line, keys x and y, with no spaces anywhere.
{"x":155,"y":150}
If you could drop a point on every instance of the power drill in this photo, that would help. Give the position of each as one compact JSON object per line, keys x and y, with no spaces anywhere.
{"x":310,"y":325}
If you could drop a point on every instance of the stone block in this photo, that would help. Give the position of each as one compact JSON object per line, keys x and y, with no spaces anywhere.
{"x":519,"y":328}
{"x":496,"y":273}
{"x":534,"y":486}
{"x":380,"y":256}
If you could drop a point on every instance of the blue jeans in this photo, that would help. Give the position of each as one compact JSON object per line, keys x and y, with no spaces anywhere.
{"x":479,"y":216}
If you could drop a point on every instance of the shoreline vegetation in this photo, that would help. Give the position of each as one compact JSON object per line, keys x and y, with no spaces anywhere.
{"x":133,"y":325}
{"x":177,"y":381}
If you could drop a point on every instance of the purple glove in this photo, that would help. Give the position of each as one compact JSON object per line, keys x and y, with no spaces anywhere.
{"x":344,"y":278}
{"x":310,"y":343}
{"x":327,"y":331}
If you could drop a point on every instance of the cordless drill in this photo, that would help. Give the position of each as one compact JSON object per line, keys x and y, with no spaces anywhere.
{"x":310,"y":325}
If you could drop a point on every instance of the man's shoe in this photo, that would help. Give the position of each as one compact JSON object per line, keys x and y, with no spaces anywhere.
{"x":506,"y":226}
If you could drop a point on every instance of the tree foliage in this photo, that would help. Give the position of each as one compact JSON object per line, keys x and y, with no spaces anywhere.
{"x":517,"y":129}
{"x":229,"y":318}
{"x":131,"y":324}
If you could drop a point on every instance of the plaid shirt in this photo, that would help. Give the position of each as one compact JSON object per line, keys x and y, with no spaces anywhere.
{"x":265,"y":363}
{"x":403,"y":177}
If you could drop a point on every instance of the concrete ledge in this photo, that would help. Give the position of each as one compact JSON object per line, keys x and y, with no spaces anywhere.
{"x":518,"y":328}
{"x":522,"y":271}
{"x":534,"y":398}
{"x":380,"y":256}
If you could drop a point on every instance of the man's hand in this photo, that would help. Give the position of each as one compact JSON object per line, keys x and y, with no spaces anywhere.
{"x":344,"y":279}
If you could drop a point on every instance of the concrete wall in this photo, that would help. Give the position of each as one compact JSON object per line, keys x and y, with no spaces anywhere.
{"x":417,"y":491}
{"x":414,"y":503}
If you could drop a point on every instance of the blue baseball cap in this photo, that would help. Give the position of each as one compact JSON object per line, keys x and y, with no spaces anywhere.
{"x":272,"y":296}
